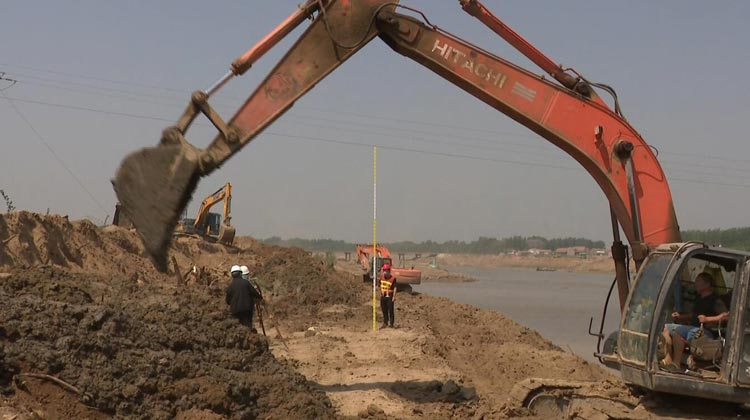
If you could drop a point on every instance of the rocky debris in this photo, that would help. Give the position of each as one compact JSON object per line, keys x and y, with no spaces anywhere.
{"x":373,"y":412}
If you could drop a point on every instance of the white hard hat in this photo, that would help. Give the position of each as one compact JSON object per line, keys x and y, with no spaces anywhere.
{"x":235,"y":268}
{"x":245,"y":270}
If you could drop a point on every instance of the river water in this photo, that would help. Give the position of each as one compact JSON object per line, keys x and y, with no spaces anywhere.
{"x":558,"y":304}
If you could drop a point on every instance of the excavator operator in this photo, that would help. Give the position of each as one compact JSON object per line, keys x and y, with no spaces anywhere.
{"x":387,"y":296}
{"x":707,"y":308}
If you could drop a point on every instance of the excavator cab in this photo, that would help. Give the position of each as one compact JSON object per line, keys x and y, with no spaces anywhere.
{"x":209,"y":224}
{"x":665,"y":284}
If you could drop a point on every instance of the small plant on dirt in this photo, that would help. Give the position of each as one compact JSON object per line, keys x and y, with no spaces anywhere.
{"x":8,"y":202}
{"x":330,"y":259}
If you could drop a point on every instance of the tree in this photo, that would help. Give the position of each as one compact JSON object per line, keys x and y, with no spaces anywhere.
{"x":8,"y":202}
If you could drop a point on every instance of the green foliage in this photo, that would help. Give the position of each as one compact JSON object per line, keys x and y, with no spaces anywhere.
{"x":483,"y":245}
{"x":736,"y":238}
{"x":8,"y":202}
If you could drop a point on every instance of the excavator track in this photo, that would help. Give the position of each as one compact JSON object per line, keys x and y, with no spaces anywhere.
{"x":560,"y":399}
{"x":575,"y":400}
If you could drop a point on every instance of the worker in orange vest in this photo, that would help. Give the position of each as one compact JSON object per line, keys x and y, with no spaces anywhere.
{"x":387,"y":295}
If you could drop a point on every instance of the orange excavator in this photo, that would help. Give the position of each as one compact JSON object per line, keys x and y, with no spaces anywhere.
{"x":154,"y":184}
{"x":405,"y":276}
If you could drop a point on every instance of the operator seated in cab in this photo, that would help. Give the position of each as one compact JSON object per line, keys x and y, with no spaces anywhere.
{"x":708,"y":308}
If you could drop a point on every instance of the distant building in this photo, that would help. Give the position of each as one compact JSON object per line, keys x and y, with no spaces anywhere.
{"x":540,"y":251}
{"x":572,"y":251}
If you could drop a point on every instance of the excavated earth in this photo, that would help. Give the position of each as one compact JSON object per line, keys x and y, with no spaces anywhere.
{"x":89,"y":329}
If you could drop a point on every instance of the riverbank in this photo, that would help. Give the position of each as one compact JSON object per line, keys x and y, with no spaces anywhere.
{"x":597,"y":264}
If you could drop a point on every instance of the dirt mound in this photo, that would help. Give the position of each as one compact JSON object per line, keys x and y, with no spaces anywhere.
{"x":289,"y":274}
{"x":145,"y":351}
{"x":86,"y":305}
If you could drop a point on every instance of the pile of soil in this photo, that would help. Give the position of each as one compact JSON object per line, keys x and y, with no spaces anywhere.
{"x":85,"y":305}
{"x":289,"y":275}
{"x":145,"y":351}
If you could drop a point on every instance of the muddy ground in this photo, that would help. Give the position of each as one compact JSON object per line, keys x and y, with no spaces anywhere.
{"x":117,"y":339}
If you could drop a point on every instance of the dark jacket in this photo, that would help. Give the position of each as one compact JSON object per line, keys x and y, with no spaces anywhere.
{"x":241,"y":295}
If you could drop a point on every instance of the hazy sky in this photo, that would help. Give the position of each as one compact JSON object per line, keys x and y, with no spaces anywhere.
{"x":98,"y":79}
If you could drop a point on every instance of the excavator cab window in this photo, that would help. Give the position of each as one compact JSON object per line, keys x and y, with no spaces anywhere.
{"x":681,"y":297}
{"x":639,"y":312}
{"x":743,"y":374}
{"x":213,"y":223}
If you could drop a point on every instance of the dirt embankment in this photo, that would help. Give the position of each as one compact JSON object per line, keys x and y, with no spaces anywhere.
{"x":85,"y":306}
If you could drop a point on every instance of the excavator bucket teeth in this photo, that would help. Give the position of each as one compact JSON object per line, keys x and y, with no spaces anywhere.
{"x":153,"y":185}
{"x":226,"y":234}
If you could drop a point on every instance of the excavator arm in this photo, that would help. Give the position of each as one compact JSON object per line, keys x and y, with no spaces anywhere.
{"x":222,"y":194}
{"x":202,"y":225}
{"x":569,"y":115}
{"x":584,"y":127}
{"x":155,"y":184}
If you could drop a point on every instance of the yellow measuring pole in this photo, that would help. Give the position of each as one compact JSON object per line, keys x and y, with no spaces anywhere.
{"x":374,"y":236}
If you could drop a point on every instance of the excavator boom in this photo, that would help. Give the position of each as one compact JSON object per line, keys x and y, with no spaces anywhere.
{"x":574,"y":119}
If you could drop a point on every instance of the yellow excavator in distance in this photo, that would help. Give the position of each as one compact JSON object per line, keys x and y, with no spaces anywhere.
{"x":212,"y":226}
{"x":208,"y":224}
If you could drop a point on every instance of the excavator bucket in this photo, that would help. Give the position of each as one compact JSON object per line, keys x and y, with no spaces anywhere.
{"x":153,"y":185}
{"x":226,"y":234}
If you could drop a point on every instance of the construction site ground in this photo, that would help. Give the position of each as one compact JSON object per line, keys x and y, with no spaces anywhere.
{"x":89,"y":329}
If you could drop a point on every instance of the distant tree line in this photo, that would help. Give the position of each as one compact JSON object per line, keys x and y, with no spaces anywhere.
{"x":737,"y":238}
{"x":483,"y":245}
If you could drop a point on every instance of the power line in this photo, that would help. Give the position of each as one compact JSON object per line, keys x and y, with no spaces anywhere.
{"x":52,"y":151}
{"x":328,"y":126}
{"x":427,"y":140}
{"x":127,"y":96}
{"x":146,"y":117}
{"x":85,"y":85}
{"x":426,"y":152}
{"x":12,"y":81}
{"x":296,"y":116}
{"x":292,"y":118}
{"x":99,"y":79}
{"x":402,"y":120}
{"x":83,"y":108}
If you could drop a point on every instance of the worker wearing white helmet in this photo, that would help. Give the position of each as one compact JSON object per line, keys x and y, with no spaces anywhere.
{"x":241,"y":297}
{"x":245,"y":272}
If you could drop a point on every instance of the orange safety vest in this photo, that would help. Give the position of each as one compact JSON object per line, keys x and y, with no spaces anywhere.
{"x":386,"y":286}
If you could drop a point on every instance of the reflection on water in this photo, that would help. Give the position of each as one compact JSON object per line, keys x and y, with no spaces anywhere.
{"x":558,"y":304}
